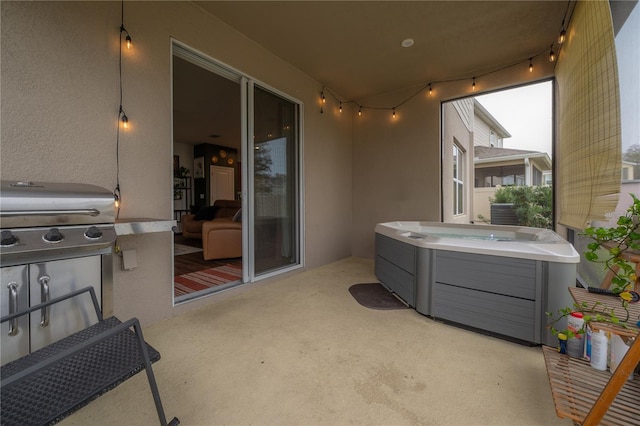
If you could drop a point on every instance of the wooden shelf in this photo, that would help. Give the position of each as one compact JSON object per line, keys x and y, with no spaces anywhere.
{"x":589,"y":396}
{"x":576,"y":387}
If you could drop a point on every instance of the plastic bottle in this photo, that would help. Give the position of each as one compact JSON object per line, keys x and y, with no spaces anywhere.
{"x":599,"y":347}
{"x":587,"y":342}
{"x":618,"y":349}
{"x":575,"y":344}
{"x":562,"y":343}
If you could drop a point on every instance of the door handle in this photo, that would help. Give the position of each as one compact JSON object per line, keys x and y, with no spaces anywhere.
{"x":13,"y":307}
{"x":44,"y":297}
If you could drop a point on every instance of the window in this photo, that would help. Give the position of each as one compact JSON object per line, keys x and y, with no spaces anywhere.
{"x":458,"y":179}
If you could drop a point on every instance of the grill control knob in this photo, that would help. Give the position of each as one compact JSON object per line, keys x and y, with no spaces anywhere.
{"x":93,"y":233}
{"x":53,"y":236}
{"x":7,"y":239}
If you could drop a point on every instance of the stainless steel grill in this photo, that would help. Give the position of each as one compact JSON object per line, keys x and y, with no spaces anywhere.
{"x":55,"y":238}
{"x":47,"y":221}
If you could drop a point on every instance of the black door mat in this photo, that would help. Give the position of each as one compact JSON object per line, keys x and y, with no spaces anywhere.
{"x":375,"y":296}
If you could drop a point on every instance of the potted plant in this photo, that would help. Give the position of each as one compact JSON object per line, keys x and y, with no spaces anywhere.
{"x":610,"y":247}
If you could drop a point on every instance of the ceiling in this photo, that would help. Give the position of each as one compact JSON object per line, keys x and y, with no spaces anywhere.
{"x":206,"y":106}
{"x":354,"y":49}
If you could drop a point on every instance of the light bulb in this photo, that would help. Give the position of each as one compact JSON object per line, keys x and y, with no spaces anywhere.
{"x":473,"y":85}
{"x":552,"y":56}
{"x":360,"y":111}
{"x":530,"y":64}
{"x":340,"y":107}
{"x":394,"y":113}
{"x":128,"y":39}
{"x":562,"y":37}
{"x":430,"y":89}
{"x":125,"y":121}
{"x":323,"y":98}
{"x":117,"y":203}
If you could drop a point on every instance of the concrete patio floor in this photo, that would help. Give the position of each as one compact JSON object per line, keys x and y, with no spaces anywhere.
{"x":301,"y":351}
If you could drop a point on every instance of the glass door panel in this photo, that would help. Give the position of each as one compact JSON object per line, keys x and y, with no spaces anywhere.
{"x":275,"y":182}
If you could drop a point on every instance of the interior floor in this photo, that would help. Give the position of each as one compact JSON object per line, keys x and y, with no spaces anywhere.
{"x":192,"y":262}
{"x":301,"y":350}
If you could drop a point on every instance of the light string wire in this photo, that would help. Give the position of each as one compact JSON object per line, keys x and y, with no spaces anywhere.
{"x":121,"y":116}
{"x":429,"y":86}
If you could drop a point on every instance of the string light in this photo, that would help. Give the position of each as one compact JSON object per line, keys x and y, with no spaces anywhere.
{"x":429,"y":86}
{"x":127,"y":38}
{"x":122,"y":117}
{"x":116,"y":197}
{"x":562,"y":37}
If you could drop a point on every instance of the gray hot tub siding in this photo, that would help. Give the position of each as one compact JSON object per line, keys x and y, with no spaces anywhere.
{"x":503,"y":295}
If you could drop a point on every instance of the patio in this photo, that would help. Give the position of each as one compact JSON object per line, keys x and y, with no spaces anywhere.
{"x":301,"y":350}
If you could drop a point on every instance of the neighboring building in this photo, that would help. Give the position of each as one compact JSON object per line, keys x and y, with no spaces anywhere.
{"x":487,"y":131}
{"x":504,"y":166}
{"x":628,"y":170}
{"x":493,"y":165}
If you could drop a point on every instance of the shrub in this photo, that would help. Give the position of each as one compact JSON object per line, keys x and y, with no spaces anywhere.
{"x":532,"y":204}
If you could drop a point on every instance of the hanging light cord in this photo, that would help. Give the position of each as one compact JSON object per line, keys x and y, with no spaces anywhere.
{"x":121,"y":116}
{"x":429,"y":86}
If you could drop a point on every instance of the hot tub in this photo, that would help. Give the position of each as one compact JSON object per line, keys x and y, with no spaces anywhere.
{"x":500,"y":279}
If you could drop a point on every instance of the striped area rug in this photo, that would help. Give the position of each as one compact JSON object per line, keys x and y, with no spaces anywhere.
{"x":208,"y":278}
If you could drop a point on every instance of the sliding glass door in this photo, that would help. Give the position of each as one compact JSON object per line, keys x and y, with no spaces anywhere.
{"x":242,"y":141}
{"x":276,"y":183}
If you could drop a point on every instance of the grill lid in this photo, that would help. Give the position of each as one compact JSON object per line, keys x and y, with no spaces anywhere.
{"x":50,"y":221}
{"x":28,"y":204}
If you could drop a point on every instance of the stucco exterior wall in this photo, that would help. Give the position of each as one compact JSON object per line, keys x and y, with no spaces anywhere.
{"x":59,"y":118}
{"x":396,"y":167}
{"x":59,"y":105}
{"x":397,"y":163}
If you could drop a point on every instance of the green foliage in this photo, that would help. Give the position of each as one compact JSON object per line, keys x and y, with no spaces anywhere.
{"x":615,"y":241}
{"x":483,"y":219}
{"x":608,"y":247}
{"x":592,"y":313}
{"x":532,"y":204}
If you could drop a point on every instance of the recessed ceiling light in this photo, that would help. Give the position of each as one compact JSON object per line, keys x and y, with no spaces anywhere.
{"x":408,"y":42}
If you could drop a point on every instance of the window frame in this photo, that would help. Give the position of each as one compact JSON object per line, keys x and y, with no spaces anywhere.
{"x":458,"y":165}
